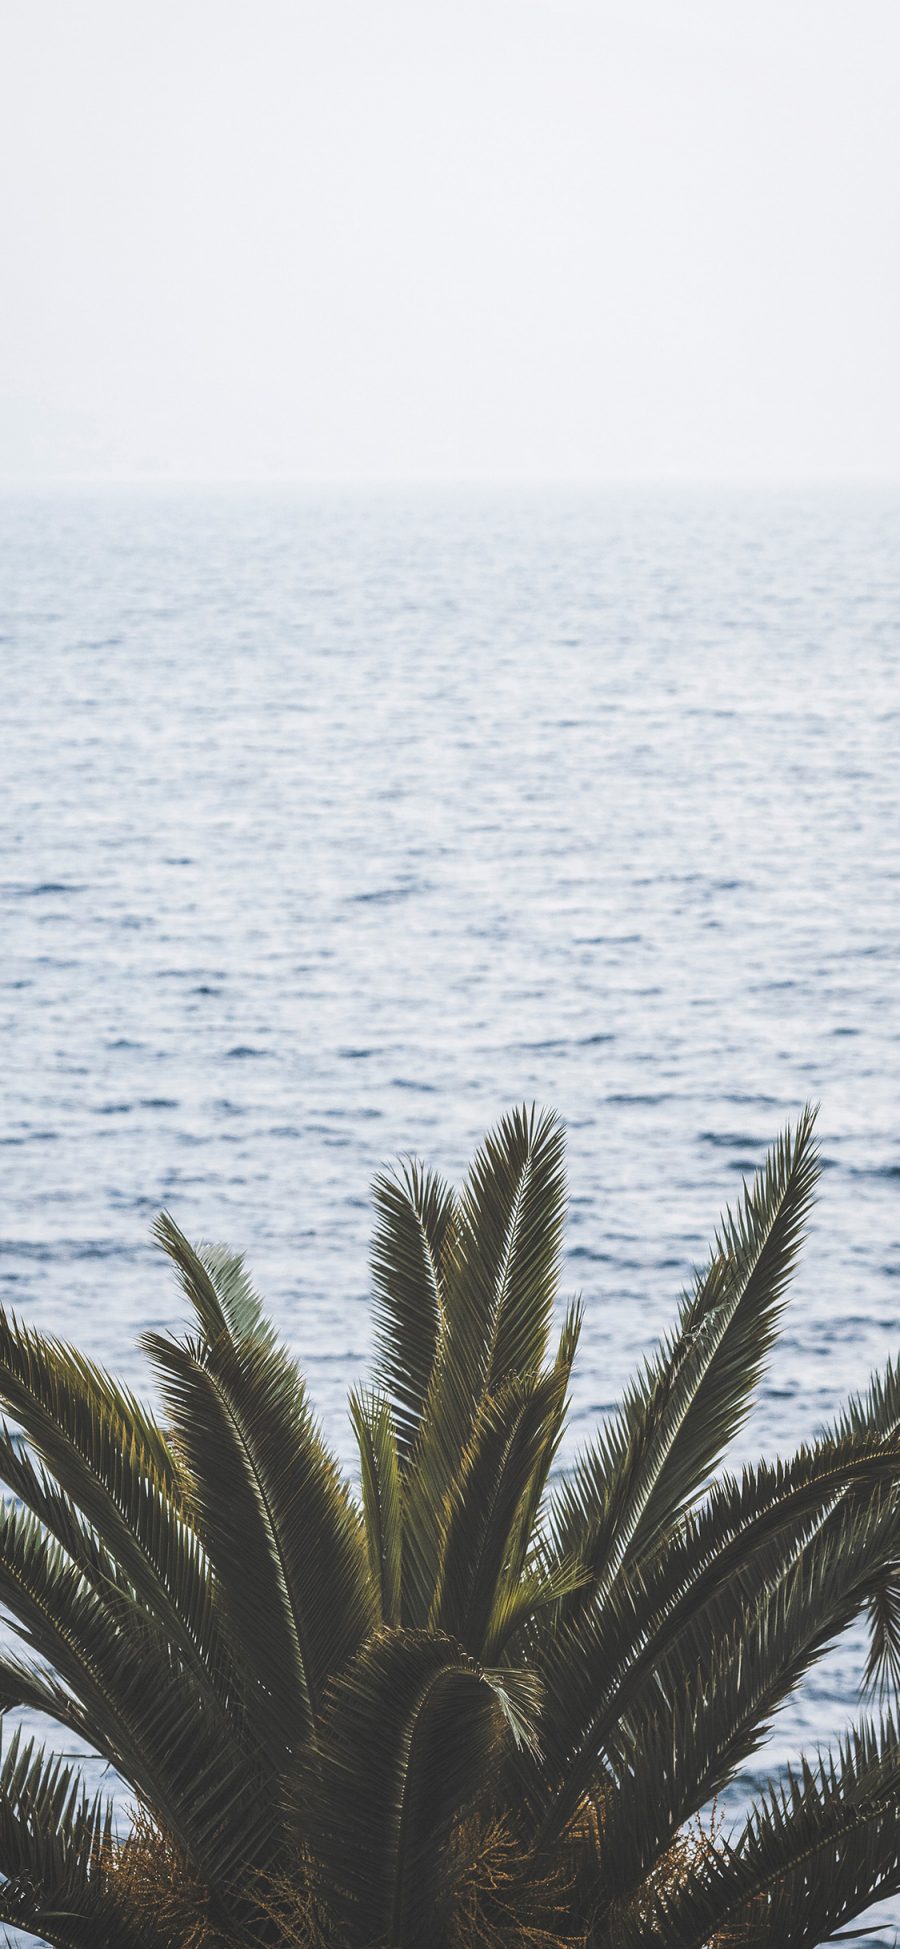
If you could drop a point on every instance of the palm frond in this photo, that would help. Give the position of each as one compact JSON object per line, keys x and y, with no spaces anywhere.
{"x":59,"y":1616}
{"x":415,"y":1212}
{"x":882,"y":1671}
{"x":519,"y":1603}
{"x":40,"y":1691}
{"x":499,"y":1290}
{"x":132,"y":1699}
{"x":813,"y":1854}
{"x":874,"y":1412}
{"x":503,"y":1281}
{"x":270,"y":1504}
{"x":55,"y":1856}
{"x":413,"y":1734}
{"x":742,"y":1539}
{"x":118,"y":1472}
{"x":530,"y":1508}
{"x":217,"y":1285}
{"x":708,"y":1702}
{"x":656,"y":1455}
{"x":33,"y":1486}
{"x":382,"y":1494}
{"x":508,"y":1444}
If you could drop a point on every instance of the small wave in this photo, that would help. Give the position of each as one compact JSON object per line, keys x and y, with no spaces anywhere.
{"x":754,"y":1096}
{"x":65,"y":1250}
{"x":383,"y":896}
{"x":637,"y":1098}
{"x":608,"y":940}
{"x":352,"y":1355}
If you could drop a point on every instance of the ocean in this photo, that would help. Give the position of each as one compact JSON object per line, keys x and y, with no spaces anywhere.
{"x":335,"y":822}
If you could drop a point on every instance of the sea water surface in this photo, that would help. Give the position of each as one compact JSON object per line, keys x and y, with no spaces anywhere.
{"x":335,"y":823}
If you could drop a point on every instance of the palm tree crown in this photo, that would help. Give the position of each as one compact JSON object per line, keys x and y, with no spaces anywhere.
{"x":475,"y":1704}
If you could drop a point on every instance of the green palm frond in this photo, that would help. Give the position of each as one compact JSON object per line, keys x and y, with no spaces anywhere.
{"x":59,"y":1396}
{"x":413,"y":1238}
{"x":506,"y":1266}
{"x":813,"y":1854}
{"x":217,"y":1285}
{"x":33,"y":1485}
{"x":58,"y":1616}
{"x":131,"y":1698}
{"x":882,"y":1671}
{"x":709,"y":1703}
{"x":519,"y":1604}
{"x":117,"y":1470}
{"x":656,"y":1455}
{"x":270,"y":1503}
{"x":381,"y":1484}
{"x":529,"y":1519}
{"x":39,"y":1690}
{"x":414,"y":1729}
{"x":55,"y":1856}
{"x":744,"y":1537}
{"x":876,"y":1411}
{"x":499,"y":1291}
{"x":508,"y":1444}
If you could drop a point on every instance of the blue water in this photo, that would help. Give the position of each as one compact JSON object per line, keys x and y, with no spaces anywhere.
{"x":333,"y":824}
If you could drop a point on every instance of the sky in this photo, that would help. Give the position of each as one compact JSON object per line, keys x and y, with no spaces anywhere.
{"x":450,"y":240}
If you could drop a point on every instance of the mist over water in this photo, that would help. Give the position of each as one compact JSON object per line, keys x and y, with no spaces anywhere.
{"x":333,"y":824}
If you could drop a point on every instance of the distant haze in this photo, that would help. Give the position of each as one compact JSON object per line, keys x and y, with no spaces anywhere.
{"x":480,"y":240}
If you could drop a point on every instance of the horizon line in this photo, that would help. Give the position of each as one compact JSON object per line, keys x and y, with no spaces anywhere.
{"x":584,"y":483}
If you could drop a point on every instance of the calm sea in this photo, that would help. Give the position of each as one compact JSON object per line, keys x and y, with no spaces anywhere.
{"x":335,"y":823}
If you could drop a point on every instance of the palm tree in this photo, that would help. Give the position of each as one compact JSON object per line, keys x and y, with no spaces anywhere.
{"x":480,"y":1704}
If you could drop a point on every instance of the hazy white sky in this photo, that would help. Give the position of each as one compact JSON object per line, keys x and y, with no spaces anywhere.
{"x":450,"y":239}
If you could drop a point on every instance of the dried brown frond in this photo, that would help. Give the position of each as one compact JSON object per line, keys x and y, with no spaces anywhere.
{"x":156,"y":1880}
{"x":500,"y":1901}
{"x":690,"y":1849}
{"x":291,"y":1903}
{"x":674,"y":1870}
